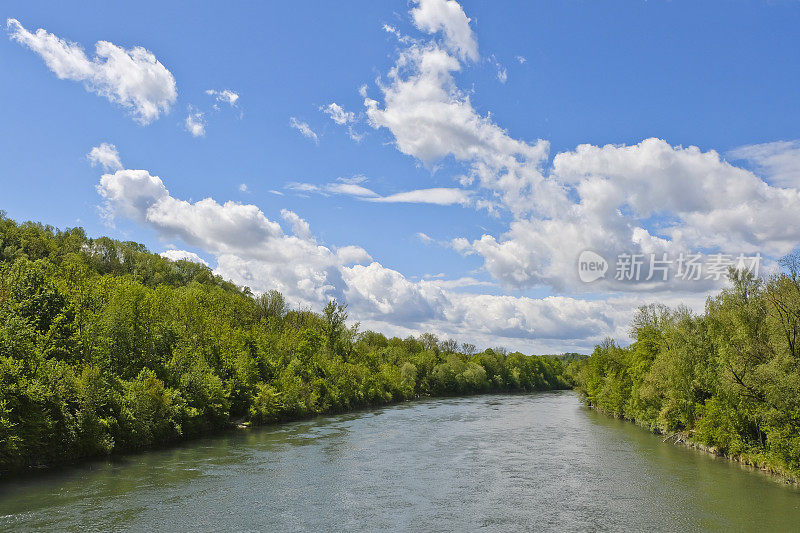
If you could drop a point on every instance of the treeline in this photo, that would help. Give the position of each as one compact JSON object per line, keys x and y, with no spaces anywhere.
{"x":106,"y":347}
{"x":728,"y":379}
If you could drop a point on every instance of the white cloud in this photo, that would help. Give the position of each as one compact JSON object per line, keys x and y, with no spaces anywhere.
{"x":520,"y":59}
{"x":649,"y":196}
{"x":430,"y":119}
{"x":132,"y":78}
{"x":304,"y":129}
{"x":299,"y":226}
{"x":447,"y":16}
{"x":105,"y":155}
{"x":338,"y":114}
{"x":243,"y":188}
{"x":249,"y":248}
{"x":437,"y":196}
{"x":225,"y":96}
{"x":252,"y":250}
{"x":349,"y":255}
{"x":646,"y":198}
{"x":466,"y":281}
{"x":226,"y":228}
{"x":502,"y":74}
{"x":405,"y":39}
{"x":352,"y":187}
{"x":778,"y":161}
{"x":424,"y":237}
{"x":195,"y":123}
{"x":343,"y":118}
{"x":183,"y":255}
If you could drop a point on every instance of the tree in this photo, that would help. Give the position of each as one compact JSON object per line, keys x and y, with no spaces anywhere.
{"x":271,"y":304}
{"x":334,"y":316}
{"x":449,"y":346}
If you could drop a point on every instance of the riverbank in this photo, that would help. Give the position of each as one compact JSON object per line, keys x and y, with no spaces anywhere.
{"x":683,"y":438}
{"x":243,"y":425}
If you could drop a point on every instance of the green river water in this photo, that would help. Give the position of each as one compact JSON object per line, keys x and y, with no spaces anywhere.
{"x":537,"y":462}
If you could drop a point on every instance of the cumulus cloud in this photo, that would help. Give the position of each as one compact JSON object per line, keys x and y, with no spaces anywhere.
{"x":299,"y":226}
{"x":431,"y":118}
{"x":648,"y":198}
{"x":645,"y":198}
{"x":448,"y":17}
{"x":183,"y":255}
{"x":105,"y":155}
{"x":350,"y":254}
{"x":253,"y":250}
{"x":304,"y":129}
{"x":132,"y":78}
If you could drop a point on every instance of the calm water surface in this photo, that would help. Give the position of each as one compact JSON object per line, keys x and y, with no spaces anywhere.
{"x":490,"y":463}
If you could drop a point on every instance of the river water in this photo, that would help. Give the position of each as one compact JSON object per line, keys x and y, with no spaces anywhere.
{"x":490,"y":463}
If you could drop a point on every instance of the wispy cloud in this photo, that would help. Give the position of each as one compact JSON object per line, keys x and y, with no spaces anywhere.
{"x":195,"y":123}
{"x":462,"y":282}
{"x":436,"y":195}
{"x":424,"y":238}
{"x":304,"y":129}
{"x":353,"y":187}
{"x":226,"y":96}
{"x":343,"y":118}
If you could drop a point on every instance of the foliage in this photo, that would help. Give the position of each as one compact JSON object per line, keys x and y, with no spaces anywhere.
{"x":729,"y":379}
{"x":106,"y":347}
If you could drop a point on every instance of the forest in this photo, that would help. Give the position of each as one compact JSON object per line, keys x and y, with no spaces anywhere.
{"x":106,"y":347}
{"x":727,"y":379}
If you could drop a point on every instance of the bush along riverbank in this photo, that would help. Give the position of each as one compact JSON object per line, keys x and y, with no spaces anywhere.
{"x":105,"y":347}
{"x":726,"y":381}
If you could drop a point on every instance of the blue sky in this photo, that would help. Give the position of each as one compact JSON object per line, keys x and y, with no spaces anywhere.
{"x":723,"y":80}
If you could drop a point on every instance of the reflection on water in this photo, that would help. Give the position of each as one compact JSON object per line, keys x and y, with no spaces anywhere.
{"x":495,"y":463}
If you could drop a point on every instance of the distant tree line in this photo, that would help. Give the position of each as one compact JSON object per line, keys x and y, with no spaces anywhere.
{"x":728,"y":379}
{"x":105,"y":347}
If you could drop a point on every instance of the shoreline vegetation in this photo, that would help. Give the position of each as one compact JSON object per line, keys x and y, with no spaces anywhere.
{"x":684,"y":438}
{"x":106,"y":348}
{"x":726,"y":381}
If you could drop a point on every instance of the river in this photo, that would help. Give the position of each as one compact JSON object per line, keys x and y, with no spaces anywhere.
{"x":490,"y":463}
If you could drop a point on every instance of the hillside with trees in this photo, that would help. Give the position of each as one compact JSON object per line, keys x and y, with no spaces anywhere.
{"x":106,"y":347}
